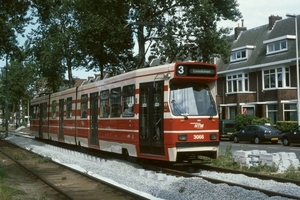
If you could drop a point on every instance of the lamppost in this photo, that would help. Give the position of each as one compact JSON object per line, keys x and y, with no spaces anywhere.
{"x":297,"y":67}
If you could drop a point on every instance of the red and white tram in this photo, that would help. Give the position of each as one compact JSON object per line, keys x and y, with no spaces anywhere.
{"x":166,"y":113}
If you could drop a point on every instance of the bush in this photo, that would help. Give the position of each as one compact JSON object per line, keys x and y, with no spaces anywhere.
{"x":263,"y":120}
{"x":242,"y":120}
{"x":286,"y":126}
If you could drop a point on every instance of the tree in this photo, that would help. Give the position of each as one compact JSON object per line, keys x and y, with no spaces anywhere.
{"x":104,"y":39}
{"x":187,"y":28}
{"x":13,"y":18}
{"x":54,"y":41}
{"x":76,"y":34}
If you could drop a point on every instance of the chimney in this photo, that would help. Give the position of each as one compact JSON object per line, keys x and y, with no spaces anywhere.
{"x":272,"y":20}
{"x":238,"y":30}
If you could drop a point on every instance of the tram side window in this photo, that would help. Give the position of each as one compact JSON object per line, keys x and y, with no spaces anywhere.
{"x":115,"y":102}
{"x":37,"y":112}
{"x":44,"y":110}
{"x":53,"y":109}
{"x":83,"y":106}
{"x":69,"y":107}
{"x":104,"y":104}
{"x":34,"y":112}
{"x":128,"y":101}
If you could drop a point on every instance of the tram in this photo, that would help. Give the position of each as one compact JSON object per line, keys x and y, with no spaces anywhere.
{"x":165,"y":113}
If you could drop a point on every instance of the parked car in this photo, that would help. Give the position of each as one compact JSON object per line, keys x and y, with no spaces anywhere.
{"x":226,"y":128}
{"x":257,"y":134}
{"x":292,"y":136}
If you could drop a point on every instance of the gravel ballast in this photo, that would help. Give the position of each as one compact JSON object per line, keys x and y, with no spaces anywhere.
{"x":128,"y":175}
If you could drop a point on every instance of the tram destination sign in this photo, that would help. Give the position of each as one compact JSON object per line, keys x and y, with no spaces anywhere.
{"x":195,"y":70}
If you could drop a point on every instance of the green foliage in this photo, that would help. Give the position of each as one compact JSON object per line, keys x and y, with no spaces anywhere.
{"x":104,"y":35}
{"x":8,"y":192}
{"x":44,"y":160}
{"x":291,"y":173}
{"x":3,"y":174}
{"x":76,"y":34}
{"x":242,"y":120}
{"x":12,"y":21}
{"x":225,"y":159}
{"x":265,"y":169}
{"x":286,"y":126}
{"x":182,"y":35}
{"x":263,"y":120}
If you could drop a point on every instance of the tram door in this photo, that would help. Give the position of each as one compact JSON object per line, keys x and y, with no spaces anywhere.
{"x":94,"y":119}
{"x":61,"y":120}
{"x":151,"y":127}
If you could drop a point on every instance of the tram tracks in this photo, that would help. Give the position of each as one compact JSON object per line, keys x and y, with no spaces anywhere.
{"x":218,"y":181}
{"x":68,"y":183}
{"x":269,"y":193}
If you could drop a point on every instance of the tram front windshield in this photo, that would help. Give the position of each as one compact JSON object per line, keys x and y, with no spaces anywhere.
{"x":192,"y":99}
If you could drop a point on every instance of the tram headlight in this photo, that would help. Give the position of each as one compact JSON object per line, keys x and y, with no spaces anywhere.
{"x":213,"y":136}
{"x":182,"y":137}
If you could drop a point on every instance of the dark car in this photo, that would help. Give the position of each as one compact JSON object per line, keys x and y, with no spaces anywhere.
{"x":291,"y":137}
{"x":257,"y":134}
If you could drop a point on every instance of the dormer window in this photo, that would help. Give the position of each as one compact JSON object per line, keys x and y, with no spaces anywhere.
{"x":277,"y":45}
{"x":238,"y":55}
{"x":241,"y":53}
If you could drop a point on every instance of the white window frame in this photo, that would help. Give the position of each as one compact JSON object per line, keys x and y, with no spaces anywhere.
{"x":241,"y":53}
{"x":275,"y":111}
{"x":277,"y":46}
{"x":237,"y":83}
{"x":252,"y":107}
{"x":270,"y":44}
{"x":290,"y":110}
{"x":274,"y":74}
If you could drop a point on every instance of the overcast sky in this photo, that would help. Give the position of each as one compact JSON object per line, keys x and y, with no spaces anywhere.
{"x":256,"y":12}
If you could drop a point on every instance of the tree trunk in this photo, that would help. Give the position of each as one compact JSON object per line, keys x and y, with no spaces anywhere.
{"x":141,"y":42}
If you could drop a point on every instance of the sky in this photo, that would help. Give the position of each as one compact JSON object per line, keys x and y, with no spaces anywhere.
{"x":256,"y":12}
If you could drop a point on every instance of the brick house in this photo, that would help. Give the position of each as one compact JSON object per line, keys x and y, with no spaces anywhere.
{"x":260,"y":78}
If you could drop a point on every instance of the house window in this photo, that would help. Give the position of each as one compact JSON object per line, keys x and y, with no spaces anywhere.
{"x":277,"y":46}
{"x":237,"y":83}
{"x":272,"y":112}
{"x":238,"y":55}
{"x":232,"y":112}
{"x":290,"y":112}
{"x":276,"y":78}
{"x":248,"y":110}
